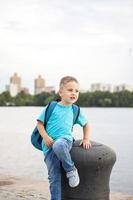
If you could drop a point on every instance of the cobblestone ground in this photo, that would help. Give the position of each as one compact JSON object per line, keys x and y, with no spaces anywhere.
{"x":12,"y":188}
{"x":24,"y":194}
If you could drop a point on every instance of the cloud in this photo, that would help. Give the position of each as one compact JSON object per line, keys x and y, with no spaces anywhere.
{"x":57,"y":37}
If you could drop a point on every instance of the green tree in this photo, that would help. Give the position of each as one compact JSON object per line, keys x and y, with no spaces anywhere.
{"x":5,"y":99}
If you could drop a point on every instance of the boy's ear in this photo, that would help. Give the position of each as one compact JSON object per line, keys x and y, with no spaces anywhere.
{"x":60,"y":91}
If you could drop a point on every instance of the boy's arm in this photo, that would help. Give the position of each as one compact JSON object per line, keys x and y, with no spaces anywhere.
{"x":86,"y":137}
{"x":47,"y":139}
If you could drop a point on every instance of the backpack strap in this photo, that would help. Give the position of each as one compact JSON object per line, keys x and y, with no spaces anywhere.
{"x":36,"y":136}
{"x":49,"y":109}
{"x":76,"y":111}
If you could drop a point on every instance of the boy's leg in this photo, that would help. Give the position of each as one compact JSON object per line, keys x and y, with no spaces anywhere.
{"x":61,"y":148}
{"x":54,"y":174}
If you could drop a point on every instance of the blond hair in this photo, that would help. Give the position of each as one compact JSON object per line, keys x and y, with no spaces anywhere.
{"x":67,"y":79}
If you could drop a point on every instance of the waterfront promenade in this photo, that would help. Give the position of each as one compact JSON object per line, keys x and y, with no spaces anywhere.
{"x":14,"y":188}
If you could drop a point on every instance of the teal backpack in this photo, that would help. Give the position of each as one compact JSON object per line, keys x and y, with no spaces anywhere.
{"x":36,"y":138}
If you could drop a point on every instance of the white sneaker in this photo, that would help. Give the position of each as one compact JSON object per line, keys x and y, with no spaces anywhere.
{"x":73,"y":178}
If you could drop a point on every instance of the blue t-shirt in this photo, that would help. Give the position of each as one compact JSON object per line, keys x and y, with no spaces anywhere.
{"x":60,"y":123}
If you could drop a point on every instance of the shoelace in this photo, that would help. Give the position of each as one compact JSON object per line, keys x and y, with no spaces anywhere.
{"x":71,"y":175}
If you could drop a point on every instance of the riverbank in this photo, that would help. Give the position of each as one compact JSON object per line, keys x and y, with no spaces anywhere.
{"x":14,"y":188}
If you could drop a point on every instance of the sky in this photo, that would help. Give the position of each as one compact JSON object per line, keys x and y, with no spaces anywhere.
{"x":91,"y":40}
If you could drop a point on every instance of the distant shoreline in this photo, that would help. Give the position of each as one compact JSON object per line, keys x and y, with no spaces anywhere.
{"x":15,"y":188}
{"x":86,"y":99}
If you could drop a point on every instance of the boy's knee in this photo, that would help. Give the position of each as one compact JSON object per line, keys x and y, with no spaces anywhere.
{"x":58,"y":146}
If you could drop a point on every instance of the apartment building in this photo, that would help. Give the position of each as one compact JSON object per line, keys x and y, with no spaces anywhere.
{"x":39,"y":85}
{"x":14,"y":86}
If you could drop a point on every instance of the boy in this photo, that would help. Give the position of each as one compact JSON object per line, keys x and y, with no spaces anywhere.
{"x":57,"y":137}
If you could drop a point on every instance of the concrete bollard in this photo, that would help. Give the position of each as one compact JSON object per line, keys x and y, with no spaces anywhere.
{"x":94,"y":167}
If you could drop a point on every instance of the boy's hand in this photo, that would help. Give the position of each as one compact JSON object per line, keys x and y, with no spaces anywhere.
{"x":48,"y":141}
{"x":85,"y":143}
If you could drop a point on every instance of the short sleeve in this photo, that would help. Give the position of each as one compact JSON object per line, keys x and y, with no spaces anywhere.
{"x":82,"y":120}
{"x":41,"y":117}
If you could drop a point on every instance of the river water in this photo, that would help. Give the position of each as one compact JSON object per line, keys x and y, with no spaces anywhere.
{"x":110,"y":126}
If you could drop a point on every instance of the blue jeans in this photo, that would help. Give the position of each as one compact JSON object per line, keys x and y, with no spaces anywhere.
{"x":58,"y":155}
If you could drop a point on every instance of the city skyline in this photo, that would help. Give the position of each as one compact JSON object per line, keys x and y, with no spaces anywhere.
{"x":41,"y":82}
{"x":91,"y":40}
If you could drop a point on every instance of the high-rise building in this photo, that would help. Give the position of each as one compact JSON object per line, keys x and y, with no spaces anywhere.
{"x":49,"y":89}
{"x":101,"y":87}
{"x":15,"y":79}
{"x":123,"y":87}
{"x":39,"y":85}
{"x":15,"y":85}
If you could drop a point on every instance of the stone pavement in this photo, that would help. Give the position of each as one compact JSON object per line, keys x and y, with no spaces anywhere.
{"x":13,"y":188}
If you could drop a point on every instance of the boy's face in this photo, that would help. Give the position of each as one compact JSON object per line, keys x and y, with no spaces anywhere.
{"x":69,"y":93}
